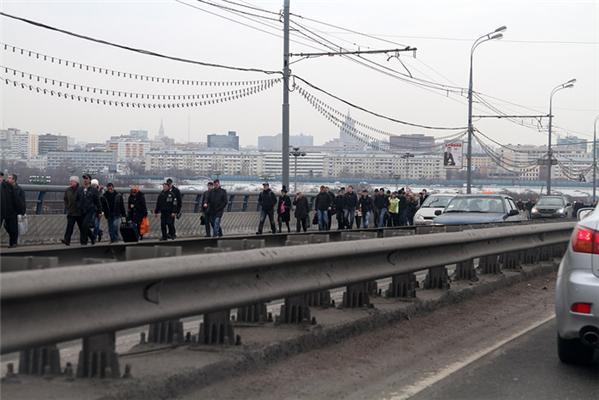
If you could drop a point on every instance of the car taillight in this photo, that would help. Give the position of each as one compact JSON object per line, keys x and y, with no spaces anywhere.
{"x":585,"y":240}
{"x":581,"y":308}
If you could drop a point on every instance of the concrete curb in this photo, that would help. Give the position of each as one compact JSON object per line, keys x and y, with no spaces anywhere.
{"x":250,"y":359}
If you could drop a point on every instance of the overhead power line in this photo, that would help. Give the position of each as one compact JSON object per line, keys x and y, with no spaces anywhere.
{"x":209,"y":3}
{"x":136,"y":50}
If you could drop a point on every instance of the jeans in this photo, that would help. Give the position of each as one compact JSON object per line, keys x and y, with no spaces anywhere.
{"x":349,"y":214}
{"x":216,"y":229}
{"x":271,"y":218}
{"x":323,"y":219}
{"x":113,"y":228}
{"x":340,"y":219}
{"x":403,"y":218}
{"x":365,"y":219}
{"x":97,"y":230}
{"x":382,"y":214}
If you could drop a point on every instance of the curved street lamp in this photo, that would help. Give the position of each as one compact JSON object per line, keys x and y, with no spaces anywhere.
{"x":556,"y":89}
{"x":496,"y":34}
{"x":295,"y":152}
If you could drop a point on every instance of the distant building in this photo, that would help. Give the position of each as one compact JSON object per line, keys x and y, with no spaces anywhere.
{"x":221,"y":161}
{"x":17,"y":145}
{"x":309,"y":165}
{"x":573,"y":143}
{"x":140,"y":134}
{"x":128,"y":148}
{"x":347,"y":135}
{"x":228,"y":141}
{"x":275,"y":142}
{"x":89,"y":161}
{"x":49,"y":142}
{"x":415,"y":143}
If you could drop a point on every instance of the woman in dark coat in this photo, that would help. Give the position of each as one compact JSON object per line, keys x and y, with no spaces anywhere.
{"x":302,"y":209}
{"x":136,"y":208}
{"x":284,"y":210}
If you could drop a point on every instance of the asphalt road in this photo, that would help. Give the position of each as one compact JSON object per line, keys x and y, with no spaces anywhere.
{"x":526,"y":368}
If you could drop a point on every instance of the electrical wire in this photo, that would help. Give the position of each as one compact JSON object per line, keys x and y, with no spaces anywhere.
{"x":209,"y":3}
{"x":136,"y":50}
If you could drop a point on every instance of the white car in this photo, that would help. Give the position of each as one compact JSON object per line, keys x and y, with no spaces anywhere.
{"x":434,"y":202}
{"x":577,"y":292}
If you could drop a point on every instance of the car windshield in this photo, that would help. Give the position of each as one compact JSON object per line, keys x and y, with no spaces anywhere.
{"x":436,"y":201}
{"x":551,"y":201}
{"x":476,"y":204}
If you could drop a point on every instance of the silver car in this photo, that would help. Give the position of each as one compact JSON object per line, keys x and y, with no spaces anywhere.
{"x":577,"y":292}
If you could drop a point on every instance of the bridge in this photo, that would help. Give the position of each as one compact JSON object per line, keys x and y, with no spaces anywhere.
{"x":197,"y":310}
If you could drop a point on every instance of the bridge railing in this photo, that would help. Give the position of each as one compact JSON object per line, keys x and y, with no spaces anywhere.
{"x":58,"y":304}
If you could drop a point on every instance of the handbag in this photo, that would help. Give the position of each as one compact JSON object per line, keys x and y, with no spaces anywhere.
{"x":144,"y":227}
{"x":202,"y":220}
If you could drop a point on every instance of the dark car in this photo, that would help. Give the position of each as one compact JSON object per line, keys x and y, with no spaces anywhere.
{"x":479,"y":209}
{"x":552,"y":207}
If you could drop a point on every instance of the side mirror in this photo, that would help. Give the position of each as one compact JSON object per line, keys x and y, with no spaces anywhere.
{"x":513,"y":213}
{"x":583,"y":213}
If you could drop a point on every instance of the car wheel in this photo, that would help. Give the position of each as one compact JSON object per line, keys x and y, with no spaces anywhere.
{"x":572,"y":351}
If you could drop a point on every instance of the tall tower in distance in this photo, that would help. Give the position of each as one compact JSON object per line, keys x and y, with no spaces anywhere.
{"x":347,"y":134}
{"x":161,"y":134}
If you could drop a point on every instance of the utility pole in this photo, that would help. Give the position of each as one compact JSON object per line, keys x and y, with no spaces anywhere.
{"x":286,"y":74}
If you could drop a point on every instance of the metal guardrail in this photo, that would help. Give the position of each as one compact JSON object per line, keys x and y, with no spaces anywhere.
{"x":53,"y":305}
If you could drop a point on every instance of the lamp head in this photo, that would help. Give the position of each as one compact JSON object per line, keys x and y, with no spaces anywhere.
{"x":571,"y":81}
{"x":569,"y":85}
{"x":501,"y":29}
{"x":496,"y":36}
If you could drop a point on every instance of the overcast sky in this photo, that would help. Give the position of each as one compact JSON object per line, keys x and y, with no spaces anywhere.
{"x":546,"y":43}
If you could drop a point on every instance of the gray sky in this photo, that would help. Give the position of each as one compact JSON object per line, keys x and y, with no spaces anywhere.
{"x":534,"y":57}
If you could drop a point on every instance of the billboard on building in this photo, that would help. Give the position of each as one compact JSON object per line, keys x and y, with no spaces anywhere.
{"x":453,"y":155}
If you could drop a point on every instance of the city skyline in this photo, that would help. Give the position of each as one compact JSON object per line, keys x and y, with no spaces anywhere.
{"x":533,"y":58}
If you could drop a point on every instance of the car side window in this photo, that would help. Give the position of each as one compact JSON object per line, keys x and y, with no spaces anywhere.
{"x":511,"y":205}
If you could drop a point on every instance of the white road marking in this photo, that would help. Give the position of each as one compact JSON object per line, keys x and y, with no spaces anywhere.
{"x":437,"y":376}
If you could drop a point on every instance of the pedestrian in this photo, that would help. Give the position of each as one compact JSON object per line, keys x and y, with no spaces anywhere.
{"x":332,"y":210}
{"x":381,"y":204}
{"x":340,"y":209}
{"x":403,"y":208}
{"x":394,"y":210}
{"x":137,"y":209}
{"x":520,"y":205}
{"x":216,"y":204}
{"x":166,"y":206}
{"x":9,"y":206}
{"x":375,"y":211}
{"x":323,"y":206}
{"x":97,"y":229}
{"x":267,"y":201}
{"x":366,"y":207}
{"x":350,"y":204}
{"x":302,"y":212}
{"x":206,"y":215}
{"x":358,"y":218}
{"x":90,"y":207}
{"x":529,"y":205}
{"x":114,"y":210}
{"x":284,"y":210}
{"x":73,"y":196}
{"x":412,"y":208}
{"x":20,"y":204}
{"x":178,"y":198}
{"x":423,"y":196}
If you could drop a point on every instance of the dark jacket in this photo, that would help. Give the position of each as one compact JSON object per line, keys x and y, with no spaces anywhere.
{"x":301,"y":207}
{"x":381,"y":201}
{"x":351,"y":200}
{"x":166,"y":203}
{"x":365,"y":204}
{"x":286,"y":202}
{"x":21,"y":204}
{"x":217,"y":202}
{"x":8,"y":202}
{"x":90,"y":203}
{"x":205,"y":201}
{"x":136,"y":206}
{"x":113,"y":205}
{"x":403,"y":205}
{"x":72,"y":201}
{"x":178,"y":197}
{"x":267,"y":200}
{"x":340,"y":202}
{"x":323,"y":201}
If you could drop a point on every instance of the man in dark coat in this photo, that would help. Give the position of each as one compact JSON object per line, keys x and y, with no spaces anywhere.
{"x":166,"y":206}
{"x":284,"y":209}
{"x":267,"y":201}
{"x":73,"y":196}
{"x":207,"y":219}
{"x":381,"y":205}
{"x":323,"y":205}
{"x":366,"y":207}
{"x":114,"y":209}
{"x":137,"y":208}
{"x":403,"y":208}
{"x":340,"y":208}
{"x":302,"y":212}
{"x":178,"y":196}
{"x":216,"y":203}
{"x":350,"y":205}
{"x":90,"y":208}
{"x":8,"y":213}
{"x":20,"y":206}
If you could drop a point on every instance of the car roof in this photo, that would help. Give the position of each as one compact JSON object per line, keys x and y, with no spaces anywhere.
{"x":503,"y":196}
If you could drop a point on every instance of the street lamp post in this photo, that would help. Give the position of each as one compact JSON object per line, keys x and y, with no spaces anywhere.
{"x":556,"y":89}
{"x":295,"y":152}
{"x":407,"y":157}
{"x":595,"y":159}
{"x":496,"y":34}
